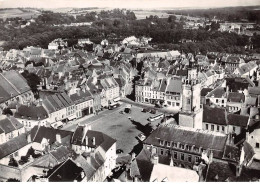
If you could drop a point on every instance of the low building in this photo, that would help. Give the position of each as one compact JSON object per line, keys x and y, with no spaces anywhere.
{"x":31,"y":116}
{"x":10,"y":128}
{"x":83,"y":103}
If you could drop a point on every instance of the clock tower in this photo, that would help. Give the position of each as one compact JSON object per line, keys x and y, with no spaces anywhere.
{"x":191,"y":111}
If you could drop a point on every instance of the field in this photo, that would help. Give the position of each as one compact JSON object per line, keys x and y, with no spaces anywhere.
{"x":142,"y":14}
{"x":15,"y":12}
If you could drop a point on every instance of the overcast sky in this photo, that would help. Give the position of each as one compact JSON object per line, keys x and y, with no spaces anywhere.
{"x":125,"y":3}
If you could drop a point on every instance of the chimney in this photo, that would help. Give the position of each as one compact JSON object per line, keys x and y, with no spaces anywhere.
{"x":227,"y":90}
{"x":58,"y":137}
{"x":86,"y":140}
{"x":78,"y":92}
{"x":29,"y":139}
{"x":247,"y":136}
{"x":155,"y":159}
{"x":40,"y":102}
{"x":94,"y":141}
{"x":28,"y":104}
{"x":133,"y":156}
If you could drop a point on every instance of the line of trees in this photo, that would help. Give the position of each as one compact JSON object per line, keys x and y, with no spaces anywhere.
{"x":166,"y":33}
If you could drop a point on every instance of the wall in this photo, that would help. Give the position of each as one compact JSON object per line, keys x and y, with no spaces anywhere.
{"x":9,"y":172}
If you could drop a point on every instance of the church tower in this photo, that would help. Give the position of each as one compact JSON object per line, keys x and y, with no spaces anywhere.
{"x":191,"y":112}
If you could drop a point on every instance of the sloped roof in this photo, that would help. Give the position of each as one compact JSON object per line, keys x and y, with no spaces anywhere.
{"x":214,"y":115}
{"x":31,"y":112}
{"x":236,"y":97}
{"x":101,"y":139}
{"x":61,"y":173}
{"x":38,"y":133}
{"x":61,"y":153}
{"x":13,"y":145}
{"x":199,"y":138}
{"x":205,"y":91}
{"x":175,"y":85}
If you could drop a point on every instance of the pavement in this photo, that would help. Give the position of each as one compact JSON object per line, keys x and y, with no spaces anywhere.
{"x":119,"y":126}
{"x":169,"y":110}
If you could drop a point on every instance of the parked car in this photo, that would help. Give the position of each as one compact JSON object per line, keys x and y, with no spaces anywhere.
{"x":111,"y":107}
{"x":152,"y":111}
{"x":127,"y":110}
{"x":145,"y":110}
{"x":141,"y":136}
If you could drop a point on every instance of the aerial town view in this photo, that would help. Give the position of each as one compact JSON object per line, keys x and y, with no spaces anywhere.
{"x":120,"y":91}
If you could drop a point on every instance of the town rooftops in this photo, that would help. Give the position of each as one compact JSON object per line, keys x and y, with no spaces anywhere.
{"x":254,"y":90}
{"x":61,"y":153}
{"x":166,"y":173}
{"x":67,"y":171}
{"x":94,"y":139}
{"x":238,"y":83}
{"x":12,"y":84}
{"x":31,"y":112}
{"x":236,"y":97}
{"x":219,"y":92}
{"x":13,"y":145}
{"x":220,"y":116}
{"x":81,"y":97}
{"x":38,"y":133}
{"x":9,"y":124}
{"x":205,"y":91}
{"x":174,"y":85}
{"x":190,"y":136}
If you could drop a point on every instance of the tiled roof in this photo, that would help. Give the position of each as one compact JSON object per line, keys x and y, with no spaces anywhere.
{"x":236,"y":97}
{"x":101,"y":139}
{"x":205,"y":91}
{"x":175,"y":85}
{"x":13,"y":145}
{"x":189,"y":136}
{"x":61,"y":153}
{"x":6,"y":125}
{"x":219,"y":92}
{"x":31,"y":112}
{"x":81,"y":97}
{"x":254,"y":90}
{"x":38,"y":133}
{"x":61,"y":173}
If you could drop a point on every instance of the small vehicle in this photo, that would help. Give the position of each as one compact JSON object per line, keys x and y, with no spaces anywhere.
{"x":111,"y":107}
{"x":141,"y":137}
{"x":122,"y":112}
{"x":60,"y":126}
{"x":153,"y":118}
{"x":119,"y":151}
{"x":145,"y":110}
{"x":152,"y":111}
{"x":127,"y":110}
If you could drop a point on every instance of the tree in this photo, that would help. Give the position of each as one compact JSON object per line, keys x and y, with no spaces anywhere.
{"x":171,"y":18}
{"x":12,"y":180}
{"x":7,"y":111}
{"x":13,"y":162}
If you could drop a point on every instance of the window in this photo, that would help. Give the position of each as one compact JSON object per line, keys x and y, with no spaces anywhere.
{"x":217,"y":128}
{"x":175,"y":145}
{"x":182,"y":157}
{"x":175,"y":155}
{"x":216,"y":100}
{"x":234,"y":128}
{"x":189,"y":158}
{"x":196,"y":159}
{"x":161,"y":142}
{"x":188,"y":147}
{"x":223,"y":128}
{"x":223,"y":101}
{"x":212,"y":127}
{"x":188,"y":101}
{"x":181,"y":146}
{"x":257,"y":145}
{"x":207,"y":126}
{"x":177,"y":104}
{"x":168,"y":144}
{"x":161,"y":151}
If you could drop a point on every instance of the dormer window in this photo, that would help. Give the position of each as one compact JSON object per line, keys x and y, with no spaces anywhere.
{"x":161,"y":142}
{"x":168,"y":144}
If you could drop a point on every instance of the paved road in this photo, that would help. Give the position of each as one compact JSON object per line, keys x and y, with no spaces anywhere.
{"x":118,"y":126}
{"x":145,"y":105}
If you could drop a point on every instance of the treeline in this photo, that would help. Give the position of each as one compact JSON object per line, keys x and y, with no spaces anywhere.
{"x":233,"y":14}
{"x":166,"y":33}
